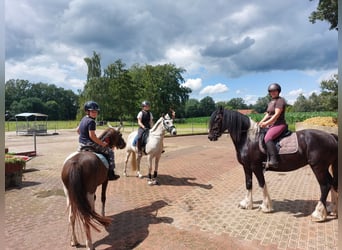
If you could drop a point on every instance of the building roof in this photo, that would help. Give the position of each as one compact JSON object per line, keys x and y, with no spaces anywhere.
{"x":31,"y":114}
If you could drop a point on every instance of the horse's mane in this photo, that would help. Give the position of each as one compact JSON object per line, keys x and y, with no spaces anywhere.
{"x":109,"y":132}
{"x":236,"y":123}
{"x":156,"y":124}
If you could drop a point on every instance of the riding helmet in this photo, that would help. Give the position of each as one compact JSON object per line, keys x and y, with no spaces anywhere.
{"x":145,"y":103}
{"x":274,"y":86}
{"x":91,"y":105}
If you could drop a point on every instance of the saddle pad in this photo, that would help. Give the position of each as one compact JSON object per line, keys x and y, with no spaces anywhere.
{"x":289,"y":144}
{"x":100,"y":156}
{"x":103,"y":159}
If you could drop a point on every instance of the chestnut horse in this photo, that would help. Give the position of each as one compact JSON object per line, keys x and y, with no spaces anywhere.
{"x":81,"y":174}
{"x":316,"y":148}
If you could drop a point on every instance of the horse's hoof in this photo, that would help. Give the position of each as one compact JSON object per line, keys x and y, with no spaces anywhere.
{"x":320,"y":213}
{"x":245,"y":205}
{"x":75,"y":244}
{"x":265,"y":209}
{"x":152,"y":182}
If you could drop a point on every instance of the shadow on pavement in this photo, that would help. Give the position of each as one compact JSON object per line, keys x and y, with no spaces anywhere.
{"x":130,"y":228}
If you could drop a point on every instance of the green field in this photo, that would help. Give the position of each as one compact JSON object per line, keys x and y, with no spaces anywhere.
{"x":184,"y":126}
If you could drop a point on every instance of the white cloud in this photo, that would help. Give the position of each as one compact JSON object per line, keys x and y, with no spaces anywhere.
{"x":214,"y":89}
{"x":193,"y":84}
{"x":296,"y":92}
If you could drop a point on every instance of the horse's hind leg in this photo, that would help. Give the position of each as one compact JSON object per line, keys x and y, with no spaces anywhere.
{"x":128,"y":154}
{"x":138,"y":161}
{"x":89,"y":242}
{"x":72,"y":219}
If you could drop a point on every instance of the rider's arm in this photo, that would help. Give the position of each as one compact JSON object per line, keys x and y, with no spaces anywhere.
{"x":267,"y":116}
{"x":273,"y":118}
{"x":94,"y":138}
{"x":141,"y":125}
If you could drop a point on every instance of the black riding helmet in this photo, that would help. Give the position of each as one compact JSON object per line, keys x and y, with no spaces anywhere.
{"x":274,"y":86}
{"x":145,"y":103}
{"x":91,"y":105}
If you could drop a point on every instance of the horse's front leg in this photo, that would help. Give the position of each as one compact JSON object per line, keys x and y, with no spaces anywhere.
{"x":266,"y":205}
{"x":154,"y":180}
{"x":320,"y":213}
{"x":103,"y":197}
{"x":149,"y":160}
{"x":247,"y":202}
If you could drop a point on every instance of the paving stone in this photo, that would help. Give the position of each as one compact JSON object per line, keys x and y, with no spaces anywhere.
{"x":194,"y":207}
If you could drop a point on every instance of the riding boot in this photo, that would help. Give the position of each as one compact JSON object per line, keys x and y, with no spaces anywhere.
{"x":111,"y":174}
{"x":273,"y":154}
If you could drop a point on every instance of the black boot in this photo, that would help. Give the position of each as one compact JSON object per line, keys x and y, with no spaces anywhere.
{"x":112,"y":176}
{"x":272,"y":154}
{"x":139,"y":147}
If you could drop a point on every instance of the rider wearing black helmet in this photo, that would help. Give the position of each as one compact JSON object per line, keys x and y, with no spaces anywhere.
{"x":274,"y":120}
{"x":87,"y":136}
{"x":145,"y":122}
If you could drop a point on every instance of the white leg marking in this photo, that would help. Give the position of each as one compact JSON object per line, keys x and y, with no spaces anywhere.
{"x":320,"y":213}
{"x":247,"y":202}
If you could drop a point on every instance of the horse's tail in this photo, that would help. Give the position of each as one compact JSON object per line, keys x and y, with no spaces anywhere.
{"x":334,"y":166}
{"x":134,"y":161}
{"x":78,"y":201}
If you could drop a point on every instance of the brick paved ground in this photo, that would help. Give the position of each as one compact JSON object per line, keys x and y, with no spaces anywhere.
{"x":195,"y":207}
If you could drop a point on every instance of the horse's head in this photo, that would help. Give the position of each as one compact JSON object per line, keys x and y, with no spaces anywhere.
{"x":168,"y":125}
{"x":113,"y":137}
{"x":215,"y":124}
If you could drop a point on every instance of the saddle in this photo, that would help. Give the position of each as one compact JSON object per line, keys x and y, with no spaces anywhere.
{"x":89,"y":148}
{"x":286,"y":143}
{"x":144,"y":137}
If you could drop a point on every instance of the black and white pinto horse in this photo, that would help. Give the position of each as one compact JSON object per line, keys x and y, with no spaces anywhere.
{"x":153,"y":148}
{"x":317,"y":148}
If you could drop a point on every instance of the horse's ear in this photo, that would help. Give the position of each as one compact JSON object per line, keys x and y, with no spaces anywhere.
{"x":167,"y":117}
{"x":220,"y":109}
{"x":120,"y":127}
{"x":109,"y":125}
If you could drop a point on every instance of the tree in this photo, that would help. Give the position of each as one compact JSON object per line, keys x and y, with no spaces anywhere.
{"x":329,"y":94}
{"x":301,"y":104}
{"x":23,"y":96}
{"x":122,"y":92}
{"x":261,"y":104}
{"x":192,"y":108}
{"x":94,"y":66}
{"x":326,"y":10}
{"x":237,"y":103}
{"x":207,"y":106}
{"x":161,"y":85}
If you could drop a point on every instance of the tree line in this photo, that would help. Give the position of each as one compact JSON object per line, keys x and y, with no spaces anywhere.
{"x":120,"y":90}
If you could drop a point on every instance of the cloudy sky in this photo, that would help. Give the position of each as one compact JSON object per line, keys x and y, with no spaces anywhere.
{"x":229,"y":48}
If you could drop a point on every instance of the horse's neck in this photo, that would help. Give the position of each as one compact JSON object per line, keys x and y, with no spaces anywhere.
{"x":157,"y":129}
{"x":253,"y":130}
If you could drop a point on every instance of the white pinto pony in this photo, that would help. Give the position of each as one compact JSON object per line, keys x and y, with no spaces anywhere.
{"x":153,"y":148}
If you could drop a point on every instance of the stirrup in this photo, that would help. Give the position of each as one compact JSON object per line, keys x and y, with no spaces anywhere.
{"x":267,"y":165}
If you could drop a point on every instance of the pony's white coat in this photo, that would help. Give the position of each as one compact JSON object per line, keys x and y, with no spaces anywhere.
{"x":153,"y":148}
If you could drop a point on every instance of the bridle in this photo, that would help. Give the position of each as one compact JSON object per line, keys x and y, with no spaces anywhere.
{"x":166,"y":126}
{"x":216,"y":129}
